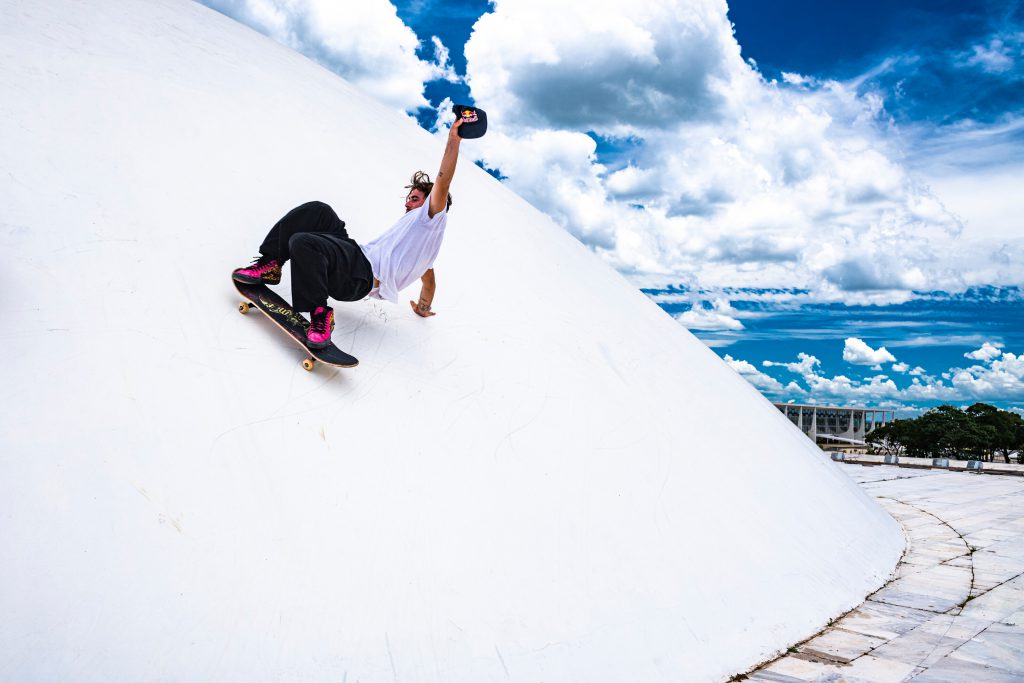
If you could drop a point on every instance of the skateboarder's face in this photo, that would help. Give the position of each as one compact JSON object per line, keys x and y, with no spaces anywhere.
{"x":414,"y":200}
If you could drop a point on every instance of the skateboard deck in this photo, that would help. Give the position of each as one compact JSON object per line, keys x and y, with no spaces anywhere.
{"x":282,"y":314}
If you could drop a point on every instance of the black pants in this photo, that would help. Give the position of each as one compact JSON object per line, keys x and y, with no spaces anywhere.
{"x":325,"y":260}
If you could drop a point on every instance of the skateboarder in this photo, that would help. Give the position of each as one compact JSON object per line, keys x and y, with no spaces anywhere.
{"x":327,"y":262}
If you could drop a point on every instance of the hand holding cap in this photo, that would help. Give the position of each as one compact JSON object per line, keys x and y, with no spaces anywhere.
{"x":474,"y":121}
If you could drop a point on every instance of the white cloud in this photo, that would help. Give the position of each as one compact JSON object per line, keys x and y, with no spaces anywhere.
{"x":987,"y":352}
{"x":442,"y":60}
{"x":939,"y":340}
{"x":840,"y":388}
{"x":843,"y":388}
{"x":805,"y":367}
{"x":904,"y":368}
{"x":995,"y":57}
{"x":600,"y":65}
{"x":718,"y":343}
{"x":764,"y":382}
{"x":364,"y":42}
{"x":1001,"y":379}
{"x":735,"y":181}
{"x":633,"y":183}
{"x":857,"y":352}
{"x":777,"y":299}
{"x":718,"y":317}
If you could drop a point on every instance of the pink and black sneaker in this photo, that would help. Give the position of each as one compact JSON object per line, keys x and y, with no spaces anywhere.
{"x":263,"y":270}
{"x":320,"y":327}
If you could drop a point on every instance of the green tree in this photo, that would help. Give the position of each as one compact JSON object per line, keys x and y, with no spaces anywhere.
{"x":1004,"y":430}
{"x":948,"y":432}
{"x":889,"y":439}
{"x":919,"y":437}
{"x":979,"y":432}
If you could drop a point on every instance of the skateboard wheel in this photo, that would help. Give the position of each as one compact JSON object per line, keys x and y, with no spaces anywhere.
{"x":308,"y":364}
{"x":243,"y":308}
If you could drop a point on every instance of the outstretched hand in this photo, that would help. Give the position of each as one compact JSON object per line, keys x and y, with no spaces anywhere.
{"x":421,"y":311}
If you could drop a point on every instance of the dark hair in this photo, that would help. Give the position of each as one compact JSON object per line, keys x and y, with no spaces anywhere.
{"x":421,"y":181}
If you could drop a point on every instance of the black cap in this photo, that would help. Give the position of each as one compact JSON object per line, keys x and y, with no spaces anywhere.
{"x":474,"y":121}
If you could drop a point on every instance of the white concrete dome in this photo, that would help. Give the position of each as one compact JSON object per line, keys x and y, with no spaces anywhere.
{"x":549,"y":480}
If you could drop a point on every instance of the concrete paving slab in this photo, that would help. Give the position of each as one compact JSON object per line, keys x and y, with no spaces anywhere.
{"x":883,"y":621}
{"x":1015,"y":619}
{"x":931,"y":603}
{"x":954,"y":626}
{"x":995,"y":605}
{"x":796,"y":669}
{"x":999,"y":646}
{"x":919,"y":648}
{"x":879,"y":670}
{"x":841,"y":645}
{"x":950,"y":670}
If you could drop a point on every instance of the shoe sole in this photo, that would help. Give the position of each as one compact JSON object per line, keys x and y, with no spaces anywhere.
{"x":250,"y":280}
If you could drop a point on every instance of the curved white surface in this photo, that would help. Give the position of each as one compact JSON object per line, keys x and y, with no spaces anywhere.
{"x":549,"y":480}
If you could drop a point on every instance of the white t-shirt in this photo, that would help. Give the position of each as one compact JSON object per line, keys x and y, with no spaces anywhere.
{"x":406,"y":251}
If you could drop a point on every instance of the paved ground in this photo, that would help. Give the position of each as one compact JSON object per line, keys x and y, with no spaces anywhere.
{"x":955,"y":611}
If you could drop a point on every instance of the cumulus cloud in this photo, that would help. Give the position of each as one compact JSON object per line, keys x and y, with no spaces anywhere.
{"x":839,"y":388}
{"x":589,"y":66}
{"x":805,"y":366}
{"x":904,"y":368}
{"x":728,"y":179}
{"x":857,"y":352}
{"x":717,"y":315}
{"x":765,"y":383}
{"x":988,"y":351}
{"x":1001,"y":378}
{"x":364,"y":42}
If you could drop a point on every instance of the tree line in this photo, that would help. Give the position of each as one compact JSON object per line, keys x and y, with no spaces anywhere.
{"x":980,"y":432}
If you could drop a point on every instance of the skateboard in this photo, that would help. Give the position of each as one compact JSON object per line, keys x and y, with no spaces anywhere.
{"x":281,"y":312}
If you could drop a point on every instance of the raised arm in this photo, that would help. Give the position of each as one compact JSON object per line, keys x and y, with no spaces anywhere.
{"x":439,"y":195}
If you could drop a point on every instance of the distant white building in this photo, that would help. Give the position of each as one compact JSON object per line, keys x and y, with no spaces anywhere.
{"x":834,"y":423}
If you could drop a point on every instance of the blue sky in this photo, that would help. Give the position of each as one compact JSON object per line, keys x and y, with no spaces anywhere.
{"x":452,"y":22}
{"x":922,"y":37}
{"x":825,"y":193}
